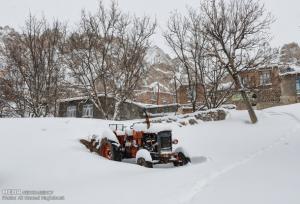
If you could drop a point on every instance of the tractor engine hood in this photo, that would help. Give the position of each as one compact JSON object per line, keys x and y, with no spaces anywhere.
{"x":154,"y":128}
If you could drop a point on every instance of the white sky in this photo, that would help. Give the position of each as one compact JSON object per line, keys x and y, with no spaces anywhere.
{"x":13,"y":13}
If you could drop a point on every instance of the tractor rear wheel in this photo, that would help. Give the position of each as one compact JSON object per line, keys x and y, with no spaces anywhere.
{"x":142,"y":162}
{"x":176,"y":163}
{"x":182,"y":160}
{"x":109,"y":151}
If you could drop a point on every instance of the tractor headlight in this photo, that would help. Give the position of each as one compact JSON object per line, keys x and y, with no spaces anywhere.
{"x":175,"y":141}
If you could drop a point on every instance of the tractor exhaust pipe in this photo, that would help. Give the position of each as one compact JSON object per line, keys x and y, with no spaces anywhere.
{"x":147,"y":118}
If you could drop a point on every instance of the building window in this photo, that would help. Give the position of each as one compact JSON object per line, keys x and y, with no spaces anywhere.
{"x":265,"y":78}
{"x":246,"y":81}
{"x":71,"y":111}
{"x":191,"y":94}
{"x":87,"y":111}
{"x":153,"y":96}
{"x":298,"y":85}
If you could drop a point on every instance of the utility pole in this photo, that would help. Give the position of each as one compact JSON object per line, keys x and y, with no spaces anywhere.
{"x":157,"y":102}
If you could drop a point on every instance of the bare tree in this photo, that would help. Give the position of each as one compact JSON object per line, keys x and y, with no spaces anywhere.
{"x":178,"y":36}
{"x":128,"y":65}
{"x":237,"y":32}
{"x":32,"y":62}
{"x":189,"y":43}
{"x":106,"y":55}
{"x":87,"y":53}
{"x":217,"y":91}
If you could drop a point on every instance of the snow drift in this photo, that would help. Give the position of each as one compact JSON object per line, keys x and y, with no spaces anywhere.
{"x":233,"y":162}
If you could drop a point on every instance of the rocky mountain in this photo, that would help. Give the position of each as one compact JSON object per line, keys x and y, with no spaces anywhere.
{"x":290,"y":54}
{"x":159,"y":73}
{"x":4,"y":31}
{"x":156,"y":55}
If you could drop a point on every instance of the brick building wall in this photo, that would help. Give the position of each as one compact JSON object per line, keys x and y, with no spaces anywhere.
{"x":183,"y":94}
{"x":264,"y":87}
{"x":151,"y":97}
{"x":252,"y":79}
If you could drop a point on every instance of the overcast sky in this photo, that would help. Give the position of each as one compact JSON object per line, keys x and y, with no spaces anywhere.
{"x":13,"y":12}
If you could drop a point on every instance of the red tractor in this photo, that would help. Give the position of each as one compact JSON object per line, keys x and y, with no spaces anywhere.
{"x":149,"y":145}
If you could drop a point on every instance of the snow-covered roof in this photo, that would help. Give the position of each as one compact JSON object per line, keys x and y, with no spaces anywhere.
{"x":225,"y":86}
{"x":290,"y":70}
{"x":146,"y":105}
{"x":260,"y":68}
{"x":155,"y":85}
{"x":77,"y":98}
{"x":140,"y":92}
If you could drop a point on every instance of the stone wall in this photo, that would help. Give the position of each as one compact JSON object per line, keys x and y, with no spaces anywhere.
{"x":193,"y":118}
{"x":172,"y":108}
{"x":213,"y":115}
{"x":268,"y":98}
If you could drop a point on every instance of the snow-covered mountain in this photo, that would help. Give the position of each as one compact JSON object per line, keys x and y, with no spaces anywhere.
{"x":156,"y":55}
{"x":4,"y":31}
{"x":159,"y":72}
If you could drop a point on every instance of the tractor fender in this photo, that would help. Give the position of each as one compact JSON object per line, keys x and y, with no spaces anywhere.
{"x":182,"y":150}
{"x":114,"y":143}
{"x":143,"y":153}
{"x":110,"y":135}
{"x":105,"y":139}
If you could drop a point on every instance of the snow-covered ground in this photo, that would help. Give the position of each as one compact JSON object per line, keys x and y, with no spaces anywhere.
{"x":233,"y":162}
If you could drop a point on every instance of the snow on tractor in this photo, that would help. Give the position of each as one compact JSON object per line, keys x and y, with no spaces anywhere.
{"x":149,"y":145}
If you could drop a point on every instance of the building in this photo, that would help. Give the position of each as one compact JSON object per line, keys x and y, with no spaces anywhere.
{"x":269,"y":86}
{"x":290,"y":85}
{"x":263,"y":85}
{"x":82,"y":107}
{"x":184,"y":98}
{"x":154,"y":97}
{"x":183,"y":95}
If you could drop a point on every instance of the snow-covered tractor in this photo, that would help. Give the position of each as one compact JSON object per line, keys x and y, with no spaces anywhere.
{"x":149,"y":145}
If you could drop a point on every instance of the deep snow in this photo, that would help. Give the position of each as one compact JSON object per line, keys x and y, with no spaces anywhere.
{"x":233,"y":162}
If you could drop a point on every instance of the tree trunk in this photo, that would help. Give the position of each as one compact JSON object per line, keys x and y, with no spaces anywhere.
{"x":194,"y":105}
{"x":157,"y":102}
{"x":117,"y":110}
{"x":249,"y":107}
{"x":176,"y":96}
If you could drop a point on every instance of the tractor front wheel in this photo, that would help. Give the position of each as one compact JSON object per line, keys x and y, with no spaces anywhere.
{"x":142,"y":162}
{"x":182,"y":160}
{"x":109,"y":151}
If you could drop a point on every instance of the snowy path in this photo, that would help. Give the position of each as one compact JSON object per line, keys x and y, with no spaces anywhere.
{"x":210,"y":179}
{"x":202,"y":183}
{"x":234,"y":162}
